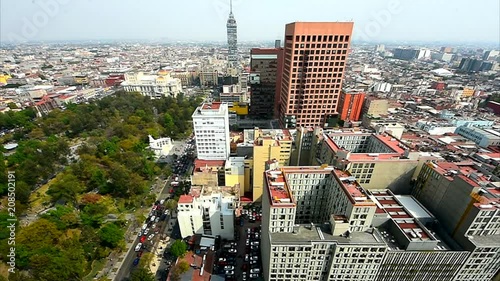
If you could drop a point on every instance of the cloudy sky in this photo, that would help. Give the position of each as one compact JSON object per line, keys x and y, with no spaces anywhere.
{"x":201,"y":20}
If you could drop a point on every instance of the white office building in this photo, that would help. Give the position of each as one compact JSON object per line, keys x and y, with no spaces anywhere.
{"x":206,"y":211}
{"x":153,"y":86}
{"x":211,"y":129}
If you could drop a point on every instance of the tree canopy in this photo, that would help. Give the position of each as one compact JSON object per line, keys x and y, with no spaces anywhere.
{"x":178,"y":248}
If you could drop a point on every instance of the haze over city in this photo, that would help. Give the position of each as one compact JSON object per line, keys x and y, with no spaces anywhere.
{"x":200,"y":20}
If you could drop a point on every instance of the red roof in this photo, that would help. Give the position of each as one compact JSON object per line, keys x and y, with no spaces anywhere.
{"x":185,"y":199}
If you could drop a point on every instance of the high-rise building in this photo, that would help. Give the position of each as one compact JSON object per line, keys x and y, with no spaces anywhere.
{"x":232,"y":38}
{"x":265,"y":83}
{"x":315,"y":56}
{"x":351,"y":105}
{"x":320,"y":224}
{"x":211,"y":129}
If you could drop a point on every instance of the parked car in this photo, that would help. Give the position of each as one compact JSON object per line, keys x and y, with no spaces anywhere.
{"x":228,"y":267}
{"x":136,"y":261}
{"x":138,"y":247}
{"x":255,"y":270}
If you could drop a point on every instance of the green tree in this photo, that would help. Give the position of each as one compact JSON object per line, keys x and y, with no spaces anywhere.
{"x":178,"y":248}
{"x":142,"y":274}
{"x":111,"y":235}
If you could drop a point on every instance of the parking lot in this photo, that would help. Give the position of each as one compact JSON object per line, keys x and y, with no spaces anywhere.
{"x":241,"y":259}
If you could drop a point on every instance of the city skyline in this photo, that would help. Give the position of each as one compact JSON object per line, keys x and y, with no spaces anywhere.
{"x":388,"y":20}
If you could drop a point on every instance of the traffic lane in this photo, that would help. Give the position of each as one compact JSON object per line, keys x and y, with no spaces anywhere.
{"x":124,"y":271}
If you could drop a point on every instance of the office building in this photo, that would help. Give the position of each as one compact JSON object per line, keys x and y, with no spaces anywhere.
{"x":351,"y":105}
{"x":208,"y":211}
{"x":232,"y":39}
{"x":315,"y":56}
{"x":153,"y":86}
{"x":211,"y":130}
{"x":265,"y":83}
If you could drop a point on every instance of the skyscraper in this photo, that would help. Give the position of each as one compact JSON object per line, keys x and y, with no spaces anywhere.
{"x":314,"y":62}
{"x":211,"y":129}
{"x":232,"y":38}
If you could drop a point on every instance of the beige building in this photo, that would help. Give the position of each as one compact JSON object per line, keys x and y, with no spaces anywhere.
{"x":376,"y":160}
{"x":268,"y":145}
{"x":375,"y":107}
{"x":186,"y":77}
{"x":235,"y":173}
{"x":208,"y":173}
{"x":209,"y":78}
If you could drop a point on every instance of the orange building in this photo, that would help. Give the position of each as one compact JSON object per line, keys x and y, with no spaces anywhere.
{"x":315,"y":57}
{"x":351,"y":105}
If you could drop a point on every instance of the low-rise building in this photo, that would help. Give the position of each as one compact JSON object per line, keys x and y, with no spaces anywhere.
{"x":482,"y":137}
{"x":208,"y":211}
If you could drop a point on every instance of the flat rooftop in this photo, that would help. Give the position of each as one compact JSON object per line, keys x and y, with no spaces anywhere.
{"x":213,"y":105}
{"x":306,"y":234}
{"x":404,"y":219}
{"x":279,"y":192}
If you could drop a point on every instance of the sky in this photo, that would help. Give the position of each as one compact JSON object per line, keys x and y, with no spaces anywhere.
{"x":258,"y":20}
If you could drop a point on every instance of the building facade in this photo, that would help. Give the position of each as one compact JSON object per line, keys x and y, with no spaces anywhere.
{"x":351,"y":105}
{"x":315,"y":56}
{"x":153,"y":86}
{"x":482,"y":137}
{"x":211,"y":130}
{"x":208,"y":212}
{"x":265,"y":82}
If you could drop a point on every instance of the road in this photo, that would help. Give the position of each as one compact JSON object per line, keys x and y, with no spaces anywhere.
{"x":126,"y":266}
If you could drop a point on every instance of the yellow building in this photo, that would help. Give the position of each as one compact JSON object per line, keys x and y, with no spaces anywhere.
{"x":208,"y":173}
{"x":240,"y":108}
{"x":268,"y":145}
{"x":4,"y":78}
{"x":235,"y":173}
{"x":81,"y":79}
{"x":467,"y":92}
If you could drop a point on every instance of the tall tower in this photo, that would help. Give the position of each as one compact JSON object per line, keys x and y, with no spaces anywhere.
{"x":315,"y":58}
{"x":232,"y":38}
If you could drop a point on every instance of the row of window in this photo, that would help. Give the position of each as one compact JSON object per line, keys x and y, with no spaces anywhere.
{"x":322,"y":38}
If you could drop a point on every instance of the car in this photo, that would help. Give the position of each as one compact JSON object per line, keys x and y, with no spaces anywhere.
{"x":139,"y":254}
{"x":144,"y":226}
{"x":254,"y":247}
{"x":143,"y":238}
{"x":254,"y":275}
{"x":228,"y":267}
{"x":146,"y":231}
{"x":222,"y":260}
{"x":246,"y":257}
{"x":255,"y":243}
{"x":256,"y":236}
{"x":162,"y":201}
{"x":151,"y":236}
{"x":249,"y":230}
{"x":136,"y":261}
{"x":138,"y":247}
{"x":232,"y":251}
{"x":157,"y":219}
{"x":247,"y":242}
{"x":152,"y":218}
{"x":252,"y":263}
{"x":229,"y":272}
{"x":233,"y":244}
{"x":255,"y":270}
{"x":254,"y":258}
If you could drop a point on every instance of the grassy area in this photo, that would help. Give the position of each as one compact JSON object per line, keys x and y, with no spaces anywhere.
{"x":39,"y":197}
{"x":97,"y":266}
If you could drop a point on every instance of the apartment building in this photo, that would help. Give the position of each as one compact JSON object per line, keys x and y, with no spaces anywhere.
{"x":267,"y":145}
{"x":208,"y":211}
{"x":153,"y":86}
{"x":211,"y":129}
{"x":208,"y":173}
{"x":234,"y":171}
{"x":466,"y":200}
{"x":372,"y":235}
{"x":376,"y":160}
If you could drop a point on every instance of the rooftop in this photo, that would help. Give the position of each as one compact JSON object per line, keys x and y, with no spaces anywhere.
{"x":185,"y":199}
{"x":403,"y":218}
{"x":213,"y":105}
{"x":279,"y":193}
